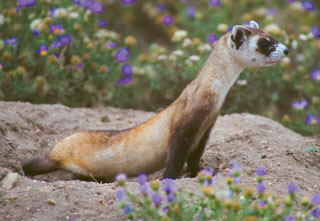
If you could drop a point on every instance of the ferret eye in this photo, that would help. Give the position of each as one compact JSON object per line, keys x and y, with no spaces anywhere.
{"x":263,"y":43}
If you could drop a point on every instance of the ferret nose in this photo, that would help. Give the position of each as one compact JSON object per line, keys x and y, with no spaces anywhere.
{"x":286,"y":51}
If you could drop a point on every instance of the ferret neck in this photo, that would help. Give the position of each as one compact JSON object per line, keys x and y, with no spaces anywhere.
{"x":221,"y":65}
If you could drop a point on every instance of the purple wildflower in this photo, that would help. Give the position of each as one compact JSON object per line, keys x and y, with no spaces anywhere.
{"x":127,"y":208}
{"x":212,"y":38}
{"x":127,"y":70}
{"x":300,"y":105}
{"x":121,"y":195}
{"x":96,"y":7}
{"x":208,"y":171}
{"x":125,"y":80}
{"x":292,"y":188}
{"x":77,"y":2}
{"x":65,"y":39}
{"x":261,"y":171}
{"x":56,"y":55}
{"x":191,"y":11}
{"x":18,"y":9}
{"x":315,"y":31}
{"x":111,"y":44}
{"x":229,"y":28}
{"x":102,"y":23}
{"x":80,"y":66}
{"x":74,"y":218}
{"x":11,"y":41}
{"x":261,"y":187}
{"x":307,"y":5}
{"x":142,"y":178}
{"x":272,"y":11}
{"x":157,"y":199}
{"x":1,"y":66}
{"x":43,"y":50}
{"x":235,"y":170}
{"x":316,"y":213}
{"x":121,"y":177}
{"x":56,"y":29}
{"x":51,"y":12}
{"x":168,"y":185}
{"x":127,"y":2}
{"x":291,"y":1}
{"x":161,"y":7}
{"x":214,"y":3}
{"x":167,"y":20}
{"x":171,"y":197}
{"x":122,"y":55}
{"x":144,"y":188}
{"x":288,"y":218}
{"x":86,"y":4}
{"x":36,"y":32}
{"x":26,"y":3}
{"x":55,"y":44}
{"x":315,"y":199}
{"x":311,"y":120}
{"x":262,"y":203}
{"x":315,"y":75}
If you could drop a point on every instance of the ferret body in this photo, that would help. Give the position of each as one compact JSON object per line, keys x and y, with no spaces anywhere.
{"x":174,"y":136}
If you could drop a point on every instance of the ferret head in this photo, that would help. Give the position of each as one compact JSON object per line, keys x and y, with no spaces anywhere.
{"x":254,"y":47}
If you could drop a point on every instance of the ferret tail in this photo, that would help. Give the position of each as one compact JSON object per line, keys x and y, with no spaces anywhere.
{"x":40,"y":165}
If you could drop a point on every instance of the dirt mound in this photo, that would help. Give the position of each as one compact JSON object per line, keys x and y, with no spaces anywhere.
{"x":28,"y":130}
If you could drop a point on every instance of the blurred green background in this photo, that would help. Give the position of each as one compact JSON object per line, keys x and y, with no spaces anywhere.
{"x":165,"y":58}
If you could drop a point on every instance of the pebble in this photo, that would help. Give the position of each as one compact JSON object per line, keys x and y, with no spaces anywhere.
{"x":111,"y":201}
{"x":227,"y":170}
{"x":269,"y":149}
{"x":269,"y":156}
{"x":51,"y":201}
{"x":9,"y":180}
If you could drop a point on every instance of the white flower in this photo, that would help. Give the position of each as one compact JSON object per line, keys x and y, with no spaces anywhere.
{"x":60,"y":13}
{"x":294,"y":44}
{"x":303,"y":37}
{"x":1,"y":19}
{"x":179,"y":35}
{"x":204,"y":47}
{"x":177,"y":53}
{"x":32,"y":15}
{"x":162,"y":57}
{"x":187,"y":42}
{"x":74,"y":15}
{"x":194,"y":58}
{"x":36,"y":24}
{"x":102,"y":33}
{"x":273,"y":29}
{"x":242,"y":82}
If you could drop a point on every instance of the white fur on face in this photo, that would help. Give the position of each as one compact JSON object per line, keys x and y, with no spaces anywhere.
{"x":278,"y":52}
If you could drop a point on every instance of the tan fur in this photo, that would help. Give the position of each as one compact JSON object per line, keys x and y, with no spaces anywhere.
{"x":145,"y":148}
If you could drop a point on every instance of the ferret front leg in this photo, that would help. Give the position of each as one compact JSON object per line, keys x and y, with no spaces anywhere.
{"x":177,"y":157}
{"x":193,"y":160}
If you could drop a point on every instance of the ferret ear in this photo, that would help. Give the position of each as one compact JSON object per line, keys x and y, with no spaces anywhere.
{"x":254,"y":24}
{"x":239,"y":35}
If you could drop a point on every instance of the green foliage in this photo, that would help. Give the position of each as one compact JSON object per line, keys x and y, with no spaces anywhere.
{"x":164,"y":58}
{"x":163,"y":201}
{"x":314,"y":149}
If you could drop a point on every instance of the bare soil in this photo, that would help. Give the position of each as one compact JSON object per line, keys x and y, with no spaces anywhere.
{"x":28,"y":130}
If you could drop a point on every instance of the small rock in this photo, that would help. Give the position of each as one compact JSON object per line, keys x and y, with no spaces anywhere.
{"x":269,"y":156}
{"x":51,"y":201}
{"x":263,"y":142}
{"x":111,"y":201}
{"x":227,"y":170}
{"x":14,"y":197}
{"x":105,"y":118}
{"x":269,"y":149}
{"x":263,"y":156}
{"x":9,"y":180}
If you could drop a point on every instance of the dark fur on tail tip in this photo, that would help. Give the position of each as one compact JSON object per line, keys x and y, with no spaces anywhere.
{"x":39,"y":165}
